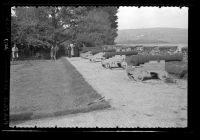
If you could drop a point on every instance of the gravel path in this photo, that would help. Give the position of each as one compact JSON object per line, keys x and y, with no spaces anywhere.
{"x":151,"y":103}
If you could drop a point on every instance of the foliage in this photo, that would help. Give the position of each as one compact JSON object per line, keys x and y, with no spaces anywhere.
{"x":98,"y":51}
{"x":95,"y":28}
{"x":47,"y":26}
{"x":87,"y":49}
{"x":179,"y":69}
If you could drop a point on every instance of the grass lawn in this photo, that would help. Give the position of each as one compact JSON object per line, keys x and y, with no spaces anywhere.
{"x":45,"y":88}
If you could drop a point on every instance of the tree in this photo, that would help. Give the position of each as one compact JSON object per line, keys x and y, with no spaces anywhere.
{"x":46,"y":26}
{"x":14,"y":30}
{"x":112,"y":11}
{"x":41,"y":25}
{"x":95,"y":27}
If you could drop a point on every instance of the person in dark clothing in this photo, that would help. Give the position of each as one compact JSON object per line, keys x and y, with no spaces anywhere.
{"x":69,"y":51}
{"x":66,"y":51}
{"x":53,"y":52}
{"x":15,"y":52}
{"x":76,"y":51}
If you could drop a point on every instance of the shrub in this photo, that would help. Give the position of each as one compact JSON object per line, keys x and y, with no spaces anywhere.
{"x":177,"y":68}
{"x":98,"y":51}
{"x":87,"y":49}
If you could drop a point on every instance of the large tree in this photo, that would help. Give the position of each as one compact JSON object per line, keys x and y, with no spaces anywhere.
{"x":45,"y":26}
{"x":98,"y":26}
{"x":93,"y":28}
{"x":112,"y":11}
{"x":42,"y":25}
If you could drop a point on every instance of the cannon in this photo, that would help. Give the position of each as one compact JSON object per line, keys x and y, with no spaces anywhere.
{"x":136,"y":60}
{"x":150,"y":69}
{"x":97,"y":58}
{"x":111,"y":54}
{"x":86,"y":55}
{"x":98,"y":55}
{"x":141,"y":66}
{"x":114,"y":62}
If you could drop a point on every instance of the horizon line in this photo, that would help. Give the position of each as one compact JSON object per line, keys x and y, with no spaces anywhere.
{"x":152,"y":28}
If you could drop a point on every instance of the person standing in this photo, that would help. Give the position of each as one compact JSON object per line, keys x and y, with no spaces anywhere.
{"x":51,"y":52}
{"x":76,"y":51}
{"x":55,"y":52}
{"x":69,"y":51}
{"x":72,"y":49}
{"x":14,"y":53}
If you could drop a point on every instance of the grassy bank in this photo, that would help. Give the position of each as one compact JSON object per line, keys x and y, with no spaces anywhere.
{"x":46,"y":88}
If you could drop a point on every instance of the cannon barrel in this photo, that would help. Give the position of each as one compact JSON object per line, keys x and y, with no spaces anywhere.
{"x":136,"y":60}
{"x":111,"y":54}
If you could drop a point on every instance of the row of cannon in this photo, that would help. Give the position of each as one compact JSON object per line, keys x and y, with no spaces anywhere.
{"x":137,"y":65}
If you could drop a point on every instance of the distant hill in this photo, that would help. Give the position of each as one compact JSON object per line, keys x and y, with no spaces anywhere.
{"x":152,"y":35}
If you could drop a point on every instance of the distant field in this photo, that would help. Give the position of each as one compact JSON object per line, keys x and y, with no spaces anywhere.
{"x":146,"y":45}
{"x":153,"y":35}
{"x":45,"y":88}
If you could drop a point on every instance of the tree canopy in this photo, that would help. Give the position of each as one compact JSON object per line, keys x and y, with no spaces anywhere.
{"x":46,"y":26}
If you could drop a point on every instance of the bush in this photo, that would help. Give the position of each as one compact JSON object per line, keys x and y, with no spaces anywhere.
{"x":177,"y":68}
{"x":184,"y":49}
{"x":87,"y":49}
{"x":98,"y":51}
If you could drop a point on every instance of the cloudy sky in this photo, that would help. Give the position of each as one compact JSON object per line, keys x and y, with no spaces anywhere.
{"x":150,"y":17}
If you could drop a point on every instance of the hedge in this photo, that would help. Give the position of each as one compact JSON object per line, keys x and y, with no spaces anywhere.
{"x":108,"y":46}
{"x":135,"y":60}
{"x":98,"y":51}
{"x":184,"y":49}
{"x":87,"y":49}
{"x":111,"y":54}
{"x":148,"y":48}
{"x":165,"y":48}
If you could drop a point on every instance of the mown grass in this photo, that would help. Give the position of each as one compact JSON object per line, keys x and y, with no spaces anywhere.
{"x":35,"y":94}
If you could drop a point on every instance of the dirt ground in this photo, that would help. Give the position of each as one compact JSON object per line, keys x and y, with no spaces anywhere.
{"x":45,"y":88}
{"x":152,"y":103}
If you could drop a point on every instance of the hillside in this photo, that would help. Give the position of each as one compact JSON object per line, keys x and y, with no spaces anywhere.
{"x":152,"y":35}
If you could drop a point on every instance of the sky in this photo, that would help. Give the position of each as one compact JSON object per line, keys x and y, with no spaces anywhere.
{"x":151,"y":17}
